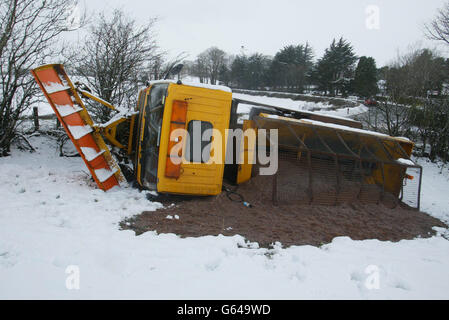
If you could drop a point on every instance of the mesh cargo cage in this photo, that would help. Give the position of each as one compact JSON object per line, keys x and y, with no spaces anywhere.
{"x":329,"y":164}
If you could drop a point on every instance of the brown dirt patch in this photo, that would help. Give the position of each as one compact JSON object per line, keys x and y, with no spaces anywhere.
{"x":290,"y":224}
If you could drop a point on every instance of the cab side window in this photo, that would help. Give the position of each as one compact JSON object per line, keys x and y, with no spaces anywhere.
{"x":195,"y":145}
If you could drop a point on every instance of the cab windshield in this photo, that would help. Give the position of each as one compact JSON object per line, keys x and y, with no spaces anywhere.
{"x":153,"y":113}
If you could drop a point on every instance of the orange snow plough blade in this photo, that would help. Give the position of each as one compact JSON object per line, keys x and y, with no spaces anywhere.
{"x":71,"y":112}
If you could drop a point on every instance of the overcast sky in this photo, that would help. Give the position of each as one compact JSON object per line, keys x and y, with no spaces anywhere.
{"x":266,"y":26}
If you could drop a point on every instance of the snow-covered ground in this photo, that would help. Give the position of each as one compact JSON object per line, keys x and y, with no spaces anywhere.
{"x":55,"y":225}
{"x":434,"y":193}
{"x":43,"y":108}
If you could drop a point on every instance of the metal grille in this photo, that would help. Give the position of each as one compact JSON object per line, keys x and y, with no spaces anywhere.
{"x":411,"y":189}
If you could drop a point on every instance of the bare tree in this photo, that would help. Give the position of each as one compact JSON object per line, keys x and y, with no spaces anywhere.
{"x":171,"y":64}
{"x":209,"y":63}
{"x":390,"y":117}
{"x":411,"y":78}
{"x":438,"y":29}
{"x":431,"y":120}
{"x":201,"y":67}
{"x":157,"y":68}
{"x":29,"y":33}
{"x":115,"y":59}
{"x":217,"y":59}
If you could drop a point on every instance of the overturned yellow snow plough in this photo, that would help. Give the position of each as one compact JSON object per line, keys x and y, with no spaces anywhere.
{"x":186,"y":138}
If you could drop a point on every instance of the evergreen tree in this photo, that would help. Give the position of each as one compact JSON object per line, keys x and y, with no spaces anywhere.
{"x":238,"y":71}
{"x":250,"y":72}
{"x":224,"y":75}
{"x":291,"y":67}
{"x":257,"y":70}
{"x":334,"y":70}
{"x":365,"y":80}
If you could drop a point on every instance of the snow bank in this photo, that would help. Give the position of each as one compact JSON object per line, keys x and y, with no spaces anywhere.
{"x":434,"y":189}
{"x":43,"y":108}
{"x":53,"y":216}
{"x":298,"y":105}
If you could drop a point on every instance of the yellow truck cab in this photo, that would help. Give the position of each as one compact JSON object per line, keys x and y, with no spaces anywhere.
{"x":164,"y":108}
